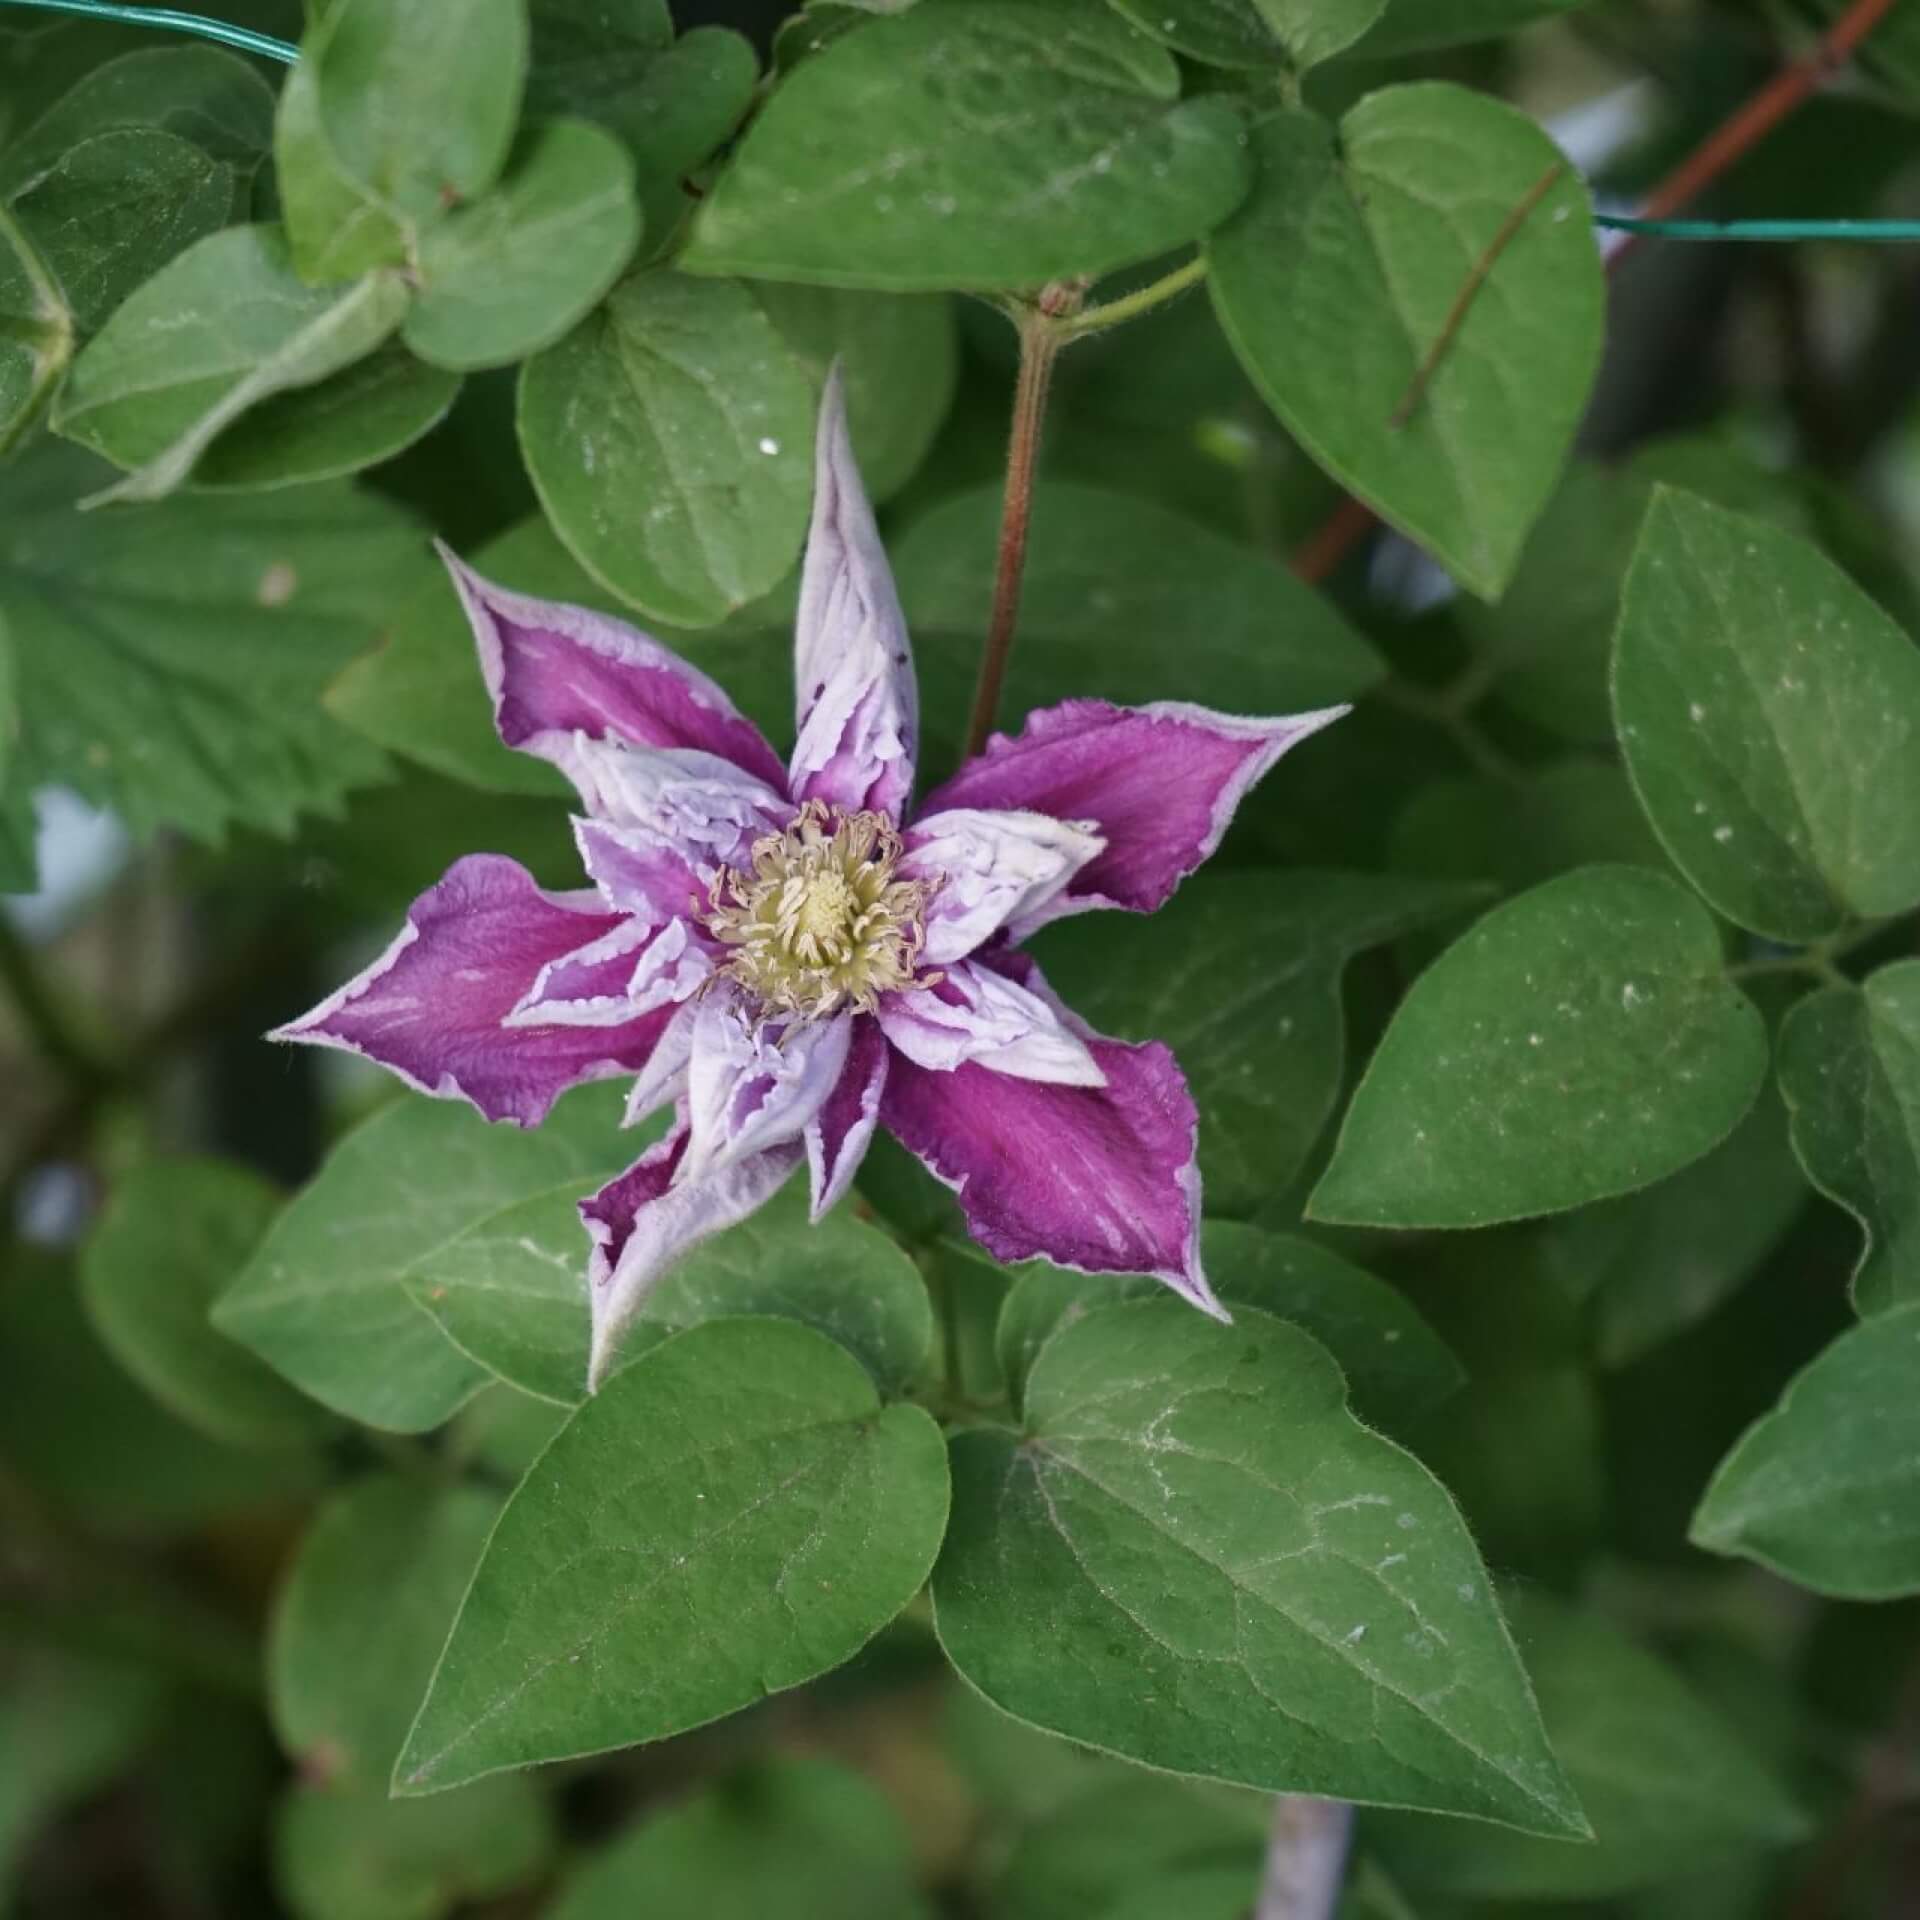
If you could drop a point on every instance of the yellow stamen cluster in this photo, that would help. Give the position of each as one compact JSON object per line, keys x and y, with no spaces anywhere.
{"x":818,"y":920}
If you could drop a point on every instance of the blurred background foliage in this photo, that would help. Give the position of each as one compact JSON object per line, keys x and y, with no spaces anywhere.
{"x":153,"y":1763}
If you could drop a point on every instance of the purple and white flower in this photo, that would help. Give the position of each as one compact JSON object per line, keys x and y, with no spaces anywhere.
{"x":795,"y":956}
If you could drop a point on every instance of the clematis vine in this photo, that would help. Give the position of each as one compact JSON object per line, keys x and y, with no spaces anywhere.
{"x":792,"y":957}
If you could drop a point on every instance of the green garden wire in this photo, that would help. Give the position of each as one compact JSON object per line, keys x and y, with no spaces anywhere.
{"x":268,"y":48}
{"x":1869,"y":230}
{"x":243,"y":38}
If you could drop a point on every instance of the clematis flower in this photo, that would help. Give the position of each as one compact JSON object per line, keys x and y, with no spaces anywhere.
{"x":793,"y":956}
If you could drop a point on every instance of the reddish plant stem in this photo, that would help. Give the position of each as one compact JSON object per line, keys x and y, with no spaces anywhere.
{"x":1732,"y":139}
{"x":1040,"y":341}
{"x":1329,"y":544}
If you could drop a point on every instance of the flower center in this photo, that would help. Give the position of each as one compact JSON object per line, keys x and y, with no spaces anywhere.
{"x":817,"y":919}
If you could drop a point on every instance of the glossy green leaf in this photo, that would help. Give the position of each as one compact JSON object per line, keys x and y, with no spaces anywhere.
{"x":843,"y":1277}
{"x":670,"y":438}
{"x":670,"y":102}
{"x":336,"y":228}
{"x":421,"y":693}
{"x":1850,"y":1073}
{"x":1197,"y":1558}
{"x":1428,"y":24}
{"x":514,"y":271}
{"x":1240,"y":975}
{"x":356,"y":418}
{"x":1396,"y":1366}
{"x":587,"y":57}
{"x":322,"y":1300}
{"x":1313,"y":30}
{"x":1551,"y":635}
{"x":113,"y":210}
{"x":1667,"y":1783}
{"x":1653,"y":1263}
{"x":1769,"y":713}
{"x":795,"y":1836}
{"x":1124,"y":601}
{"x":419,"y":98}
{"x":356,"y":1628}
{"x":1825,"y":1489}
{"x":1339,"y":277}
{"x":174,"y":1234}
{"x":36,"y":332}
{"x":226,"y":325}
{"x":1581,"y":1041}
{"x":901,"y":357}
{"x":973,"y":144}
{"x":817,"y":25}
{"x":1224,"y":33}
{"x":129,"y":628}
{"x":512,"y":1292}
{"x":210,"y":99}
{"x":729,"y":1516}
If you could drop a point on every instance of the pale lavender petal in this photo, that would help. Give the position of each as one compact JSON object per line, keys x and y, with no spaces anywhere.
{"x":664,"y":1078}
{"x":638,"y":871}
{"x":673,"y":968}
{"x":1160,"y":783}
{"x":648,"y":1218}
{"x":627,"y":972}
{"x":1100,"y":1179}
{"x":700,"y":807}
{"x":838,"y":1136}
{"x":988,"y":869}
{"x":557,"y":672}
{"x":976,"y":1014}
{"x":754,"y":1083}
{"x":853,"y":671}
{"x":433,"y":1008}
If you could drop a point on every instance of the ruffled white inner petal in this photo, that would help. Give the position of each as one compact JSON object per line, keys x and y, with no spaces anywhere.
{"x":980,"y":1016}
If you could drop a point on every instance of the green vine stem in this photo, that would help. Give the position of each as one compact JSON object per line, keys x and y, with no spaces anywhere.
{"x":1131,"y":306}
{"x":1821,"y":959}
